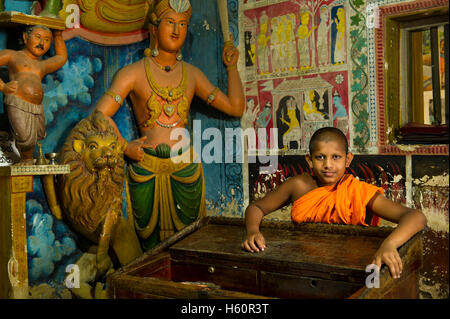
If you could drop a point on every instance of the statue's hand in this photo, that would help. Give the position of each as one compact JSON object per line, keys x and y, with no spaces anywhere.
{"x":10,"y":87}
{"x":57,"y":33}
{"x":230,"y":54}
{"x":134,"y":149}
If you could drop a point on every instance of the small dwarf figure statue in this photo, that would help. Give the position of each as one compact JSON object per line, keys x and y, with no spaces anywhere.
{"x":23,"y":94}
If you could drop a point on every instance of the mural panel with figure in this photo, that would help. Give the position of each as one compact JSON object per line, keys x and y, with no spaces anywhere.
{"x":299,"y":73}
{"x":296,"y":107}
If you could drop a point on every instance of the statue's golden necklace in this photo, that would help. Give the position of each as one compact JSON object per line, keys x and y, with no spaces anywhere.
{"x":171,"y":99}
{"x":167,"y":68}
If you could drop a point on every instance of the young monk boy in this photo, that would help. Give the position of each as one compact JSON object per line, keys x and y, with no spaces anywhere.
{"x":331,"y":196}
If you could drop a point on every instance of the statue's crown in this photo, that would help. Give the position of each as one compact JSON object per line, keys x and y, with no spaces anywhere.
{"x":179,"y":6}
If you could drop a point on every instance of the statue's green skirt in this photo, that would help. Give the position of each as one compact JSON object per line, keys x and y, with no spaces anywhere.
{"x":166,"y":194}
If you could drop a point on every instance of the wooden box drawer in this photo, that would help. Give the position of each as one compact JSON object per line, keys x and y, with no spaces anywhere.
{"x":205,"y":260}
{"x":297,"y":287}
{"x":230,"y":278}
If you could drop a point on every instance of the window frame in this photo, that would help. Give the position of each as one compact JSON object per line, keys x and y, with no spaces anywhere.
{"x":388,"y":71}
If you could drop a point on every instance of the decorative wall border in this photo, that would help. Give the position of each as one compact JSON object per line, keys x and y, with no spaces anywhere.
{"x":233,"y":172}
{"x":17,"y":170}
{"x":390,"y":10}
{"x":413,"y":150}
{"x":361,"y":119}
{"x":373,"y":107}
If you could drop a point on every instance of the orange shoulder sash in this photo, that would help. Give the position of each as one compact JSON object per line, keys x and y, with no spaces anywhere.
{"x":342,"y":203}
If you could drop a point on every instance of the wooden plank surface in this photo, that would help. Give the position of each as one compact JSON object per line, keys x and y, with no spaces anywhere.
{"x":134,"y":287}
{"x":321,"y":252}
{"x":10,"y":18}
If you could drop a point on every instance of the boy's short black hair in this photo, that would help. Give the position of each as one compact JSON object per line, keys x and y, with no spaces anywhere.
{"x":326,"y":134}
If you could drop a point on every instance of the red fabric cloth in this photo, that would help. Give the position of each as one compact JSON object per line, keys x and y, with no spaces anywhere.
{"x":342,"y":203}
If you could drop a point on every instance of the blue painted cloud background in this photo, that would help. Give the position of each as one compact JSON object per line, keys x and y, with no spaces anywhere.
{"x":49,"y":241}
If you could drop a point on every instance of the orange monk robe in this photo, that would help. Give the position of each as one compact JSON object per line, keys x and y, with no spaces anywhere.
{"x":342,"y":203}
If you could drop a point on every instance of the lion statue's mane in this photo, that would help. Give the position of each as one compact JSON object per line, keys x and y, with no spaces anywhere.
{"x":88,"y":195}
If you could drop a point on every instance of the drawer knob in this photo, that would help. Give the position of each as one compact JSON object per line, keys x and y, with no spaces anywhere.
{"x":211,"y":269}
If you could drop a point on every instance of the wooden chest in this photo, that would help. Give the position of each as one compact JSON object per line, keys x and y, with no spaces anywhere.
{"x":205,"y":260}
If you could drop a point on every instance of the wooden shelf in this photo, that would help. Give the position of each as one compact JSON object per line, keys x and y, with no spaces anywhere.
{"x":15,"y":18}
{"x":15,"y":182}
{"x":17,"y":170}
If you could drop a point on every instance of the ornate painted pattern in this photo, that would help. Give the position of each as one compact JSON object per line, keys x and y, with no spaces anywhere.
{"x":359,"y":79}
{"x":372,"y":80}
{"x":233,"y":171}
{"x":34,"y":170}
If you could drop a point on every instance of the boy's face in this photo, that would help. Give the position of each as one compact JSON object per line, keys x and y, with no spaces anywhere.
{"x":329,"y":161}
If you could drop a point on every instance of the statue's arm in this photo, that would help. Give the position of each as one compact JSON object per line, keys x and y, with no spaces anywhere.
{"x":5,"y":56}
{"x":122,"y":84}
{"x":234,"y":102}
{"x":56,"y":62}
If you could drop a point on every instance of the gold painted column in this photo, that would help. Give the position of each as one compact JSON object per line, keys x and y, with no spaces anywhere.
{"x":15,"y":183}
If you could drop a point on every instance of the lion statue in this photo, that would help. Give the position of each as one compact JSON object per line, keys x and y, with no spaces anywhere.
{"x":91,"y":194}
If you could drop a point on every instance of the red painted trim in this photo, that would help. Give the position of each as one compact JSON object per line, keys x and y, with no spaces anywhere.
{"x":106,"y":38}
{"x":389,"y":10}
{"x":419,"y":150}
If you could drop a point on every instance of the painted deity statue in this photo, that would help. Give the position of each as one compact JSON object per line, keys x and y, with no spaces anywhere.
{"x":339,"y":47}
{"x":303,"y":34}
{"x":23,"y":94}
{"x":165,"y":177}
